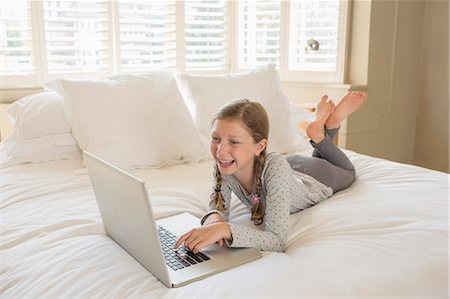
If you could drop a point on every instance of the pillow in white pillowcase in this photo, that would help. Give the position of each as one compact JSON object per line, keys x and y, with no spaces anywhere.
{"x":131,"y":121}
{"x":39,"y":133}
{"x":205,"y":95}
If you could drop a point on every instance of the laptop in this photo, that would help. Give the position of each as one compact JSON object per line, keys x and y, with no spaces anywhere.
{"x":128,"y":219}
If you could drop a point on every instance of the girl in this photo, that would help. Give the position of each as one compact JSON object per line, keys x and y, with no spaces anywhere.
{"x":269,"y":184}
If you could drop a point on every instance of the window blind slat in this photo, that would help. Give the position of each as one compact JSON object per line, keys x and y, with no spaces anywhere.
{"x":148,"y":20}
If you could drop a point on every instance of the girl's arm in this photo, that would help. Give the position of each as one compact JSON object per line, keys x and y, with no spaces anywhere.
{"x":277,"y":180}
{"x":274,"y":237}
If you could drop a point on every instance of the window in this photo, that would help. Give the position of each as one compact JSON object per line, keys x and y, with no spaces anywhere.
{"x":317,"y":24}
{"x":76,"y":37}
{"x":205,"y":35}
{"x":16,"y":44}
{"x":147,"y":35}
{"x":42,"y":40}
{"x":259,"y":24}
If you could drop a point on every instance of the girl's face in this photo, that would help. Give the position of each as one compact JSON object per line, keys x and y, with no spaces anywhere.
{"x":234,"y":149}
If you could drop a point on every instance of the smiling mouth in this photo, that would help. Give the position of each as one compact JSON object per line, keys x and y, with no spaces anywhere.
{"x":225,"y":163}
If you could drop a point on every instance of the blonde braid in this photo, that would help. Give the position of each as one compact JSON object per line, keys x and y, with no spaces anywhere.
{"x":216,"y":196}
{"x":258,"y":209}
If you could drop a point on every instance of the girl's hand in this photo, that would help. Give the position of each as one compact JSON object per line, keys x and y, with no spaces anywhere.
{"x":214,"y":218}
{"x":198,"y":238}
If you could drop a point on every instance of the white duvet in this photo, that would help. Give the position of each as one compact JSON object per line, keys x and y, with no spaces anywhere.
{"x":385,"y":236}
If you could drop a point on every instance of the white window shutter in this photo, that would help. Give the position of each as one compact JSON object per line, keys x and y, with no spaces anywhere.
{"x":205,"y":35}
{"x":77,"y":37}
{"x":17,"y":58}
{"x":147,"y":35}
{"x":314,"y":21}
{"x":259,"y":24}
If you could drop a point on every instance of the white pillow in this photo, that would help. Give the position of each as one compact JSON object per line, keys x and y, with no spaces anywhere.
{"x":40,"y":132}
{"x":205,"y":95}
{"x":131,"y":121}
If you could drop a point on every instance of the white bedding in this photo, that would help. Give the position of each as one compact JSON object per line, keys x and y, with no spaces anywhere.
{"x":385,"y":236}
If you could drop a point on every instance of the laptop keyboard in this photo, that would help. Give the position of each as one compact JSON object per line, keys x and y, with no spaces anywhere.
{"x":181,"y":257}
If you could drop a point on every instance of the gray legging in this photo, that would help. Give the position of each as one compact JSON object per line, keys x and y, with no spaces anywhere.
{"x":328,"y":164}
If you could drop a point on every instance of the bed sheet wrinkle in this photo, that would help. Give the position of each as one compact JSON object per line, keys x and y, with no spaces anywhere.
{"x":50,"y":215}
{"x":56,"y":231}
{"x":336,"y":229}
{"x":67,"y":263}
{"x":164,"y":207}
{"x":32,"y":187}
{"x":177,"y":198}
{"x":349,"y":264}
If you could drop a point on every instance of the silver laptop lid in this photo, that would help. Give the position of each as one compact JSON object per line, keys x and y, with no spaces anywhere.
{"x":127,"y":214}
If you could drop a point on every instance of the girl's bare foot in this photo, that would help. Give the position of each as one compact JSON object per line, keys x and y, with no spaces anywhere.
{"x":348,"y":104}
{"x":315,"y":129}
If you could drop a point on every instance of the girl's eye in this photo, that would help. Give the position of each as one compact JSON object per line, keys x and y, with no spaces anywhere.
{"x":215,"y":138}
{"x":234,"y":142}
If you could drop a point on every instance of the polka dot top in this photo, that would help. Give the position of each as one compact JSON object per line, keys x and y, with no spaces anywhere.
{"x":283,"y":191}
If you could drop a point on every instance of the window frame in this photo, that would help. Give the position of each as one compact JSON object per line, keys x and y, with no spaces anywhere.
{"x":231,"y":64}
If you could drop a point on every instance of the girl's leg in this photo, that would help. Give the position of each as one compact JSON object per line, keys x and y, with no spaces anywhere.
{"x":333,"y":169}
{"x":329,"y":117}
{"x":330,"y":152}
{"x":329,"y":132}
{"x":320,"y":129}
{"x":329,"y":164}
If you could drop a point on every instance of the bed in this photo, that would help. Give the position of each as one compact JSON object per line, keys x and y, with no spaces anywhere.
{"x":385,"y":236}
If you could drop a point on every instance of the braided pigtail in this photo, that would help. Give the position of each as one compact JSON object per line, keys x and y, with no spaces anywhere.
{"x":258,"y":209}
{"x":216,"y":196}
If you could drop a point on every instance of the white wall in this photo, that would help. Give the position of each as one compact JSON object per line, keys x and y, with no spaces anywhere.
{"x":385,"y":126}
{"x":432,"y":128}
